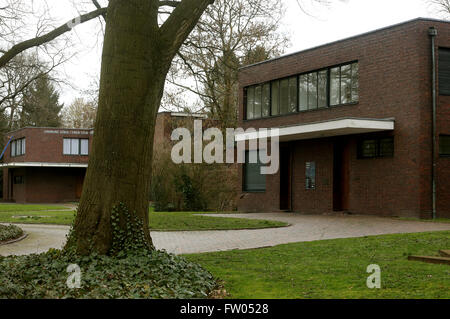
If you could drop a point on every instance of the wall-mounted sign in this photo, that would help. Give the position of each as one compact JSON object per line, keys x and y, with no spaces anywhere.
{"x":310,"y":174}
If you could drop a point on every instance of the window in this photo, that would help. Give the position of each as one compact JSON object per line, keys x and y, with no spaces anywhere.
{"x":310,"y":175}
{"x":344,"y":84}
{"x":303,"y":92}
{"x":258,"y":101}
{"x":266,"y":100}
{"x":18,"y":147}
{"x":275,"y":98}
{"x":19,"y":180}
{"x":310,"y":91}
{"x":250,"y":102}
{"x":257,"y":105}
{"x":76,"y":146}
{"x":254,"y":181}
{"x":444,"y":145}
{"x":444,"y":71}
{"x":376,"y":147}
{"x":284,"y":96}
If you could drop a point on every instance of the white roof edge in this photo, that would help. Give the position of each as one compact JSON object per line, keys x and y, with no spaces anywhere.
{"x":38,"y":164}
{"x":370,"y":125}
{"x":181,"y":114}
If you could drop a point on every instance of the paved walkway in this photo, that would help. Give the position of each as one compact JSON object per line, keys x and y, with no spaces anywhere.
{"x":303,"y":228}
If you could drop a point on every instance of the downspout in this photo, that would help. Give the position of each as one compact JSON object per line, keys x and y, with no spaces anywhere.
{"x":433,"y":33}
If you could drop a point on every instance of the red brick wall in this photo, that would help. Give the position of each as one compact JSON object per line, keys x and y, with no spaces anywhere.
{"x":46,"y":145}
{"x":395,"y":82}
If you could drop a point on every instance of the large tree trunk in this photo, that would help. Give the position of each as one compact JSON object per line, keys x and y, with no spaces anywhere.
{"x":136,"y":57}
{"x":131,"y":87}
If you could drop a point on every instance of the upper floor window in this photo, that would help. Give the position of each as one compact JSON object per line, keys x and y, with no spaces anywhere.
{"x":18,"y":147}
{"x":444,"y":71}
{"x":444,"y":145}
{"x":76,"y":146}
{"x":314,"y":90}
{"x":376,"y":147}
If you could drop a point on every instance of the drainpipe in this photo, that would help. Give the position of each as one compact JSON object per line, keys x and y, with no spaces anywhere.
{"x":432,"y":32}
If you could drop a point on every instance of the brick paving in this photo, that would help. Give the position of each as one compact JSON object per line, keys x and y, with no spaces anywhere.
{"x":303,"y":228}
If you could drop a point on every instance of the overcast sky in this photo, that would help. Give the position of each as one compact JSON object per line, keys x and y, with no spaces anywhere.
{"x":324,"y":24}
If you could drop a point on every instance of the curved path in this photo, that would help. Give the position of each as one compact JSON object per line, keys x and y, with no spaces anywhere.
{"x":303,"y":228}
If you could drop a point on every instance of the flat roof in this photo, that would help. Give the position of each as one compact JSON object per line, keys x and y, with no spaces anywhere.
{"x":39,"y":164}
{"x":345,"y":39}
{"x":49,"y":128}
{"x":336,"y":127}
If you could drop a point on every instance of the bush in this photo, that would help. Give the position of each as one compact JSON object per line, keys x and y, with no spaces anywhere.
{"x":143,"y":274}
{"x":192,"y":187}
{"x":10,"y":232}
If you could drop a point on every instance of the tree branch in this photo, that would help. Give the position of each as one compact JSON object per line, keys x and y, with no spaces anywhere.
{"x":19,"y":48}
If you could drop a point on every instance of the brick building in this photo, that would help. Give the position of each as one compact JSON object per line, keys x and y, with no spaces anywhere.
{"x":45,"y":165}
{"x":356,"y":125}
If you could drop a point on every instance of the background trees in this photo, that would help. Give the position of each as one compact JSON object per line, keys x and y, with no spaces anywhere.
{"x":80,"y":114}
{"x":41,"y":105}
{"x":441,"y":7}
{"x":230,"y":34}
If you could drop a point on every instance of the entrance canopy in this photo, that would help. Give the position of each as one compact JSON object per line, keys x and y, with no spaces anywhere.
{"x":337,"y":127}
{"x":37,"y":164}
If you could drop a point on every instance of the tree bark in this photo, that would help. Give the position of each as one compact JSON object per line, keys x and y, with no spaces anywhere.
{"x":136,"y":57}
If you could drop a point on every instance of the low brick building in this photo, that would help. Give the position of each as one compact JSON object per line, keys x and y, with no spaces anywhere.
{"x":356,"y":125}
{"x":46,"y":165}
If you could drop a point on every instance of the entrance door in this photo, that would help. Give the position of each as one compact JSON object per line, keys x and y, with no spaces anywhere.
{"x":285,"y":178}
{"x":341,"y":175}
{"x":79,"y":185}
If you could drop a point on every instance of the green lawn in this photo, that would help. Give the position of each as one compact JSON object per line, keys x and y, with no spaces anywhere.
{"x":334,"y":268}
{"x":437,"y":220}
{"x":29,"y":208}
{"x":158,"y":221}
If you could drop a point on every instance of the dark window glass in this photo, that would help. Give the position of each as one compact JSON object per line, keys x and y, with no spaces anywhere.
{"x":303,"y":87}
{"x":377,"y":147}
{"x":250,"y":102}
{"x":18,"y":180}
{"x":312,"y":91}
{"x":310,"y":175}
{"x":257,"y":107}
{"x":444,"y":71}
{"x":322,"y":89}
{"x":254,"y":181}
{"x":293,"y":94}
{"x":335,"y":84}
{"x":369,"y":148}
{"x":284,"y":96}
{"x":266,"y":100}
{"x":444,"y":145}
{"x":275,"y":97}
{"x":386,"y":147}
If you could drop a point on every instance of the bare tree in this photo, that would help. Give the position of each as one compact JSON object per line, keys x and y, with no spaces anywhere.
{"x":80,"y":114}
{"x":227,"y":36}
{"x":441,"y":7}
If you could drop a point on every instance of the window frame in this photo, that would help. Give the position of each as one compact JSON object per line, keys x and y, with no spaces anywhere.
{"x":298,"y":104}
{"x":70,"y":139}
{"x":16,"y":145}
{"x":378,"y":142}
{"x":245,"y":188}
{"x":441,"y":138}
{"x":443,"y":91}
